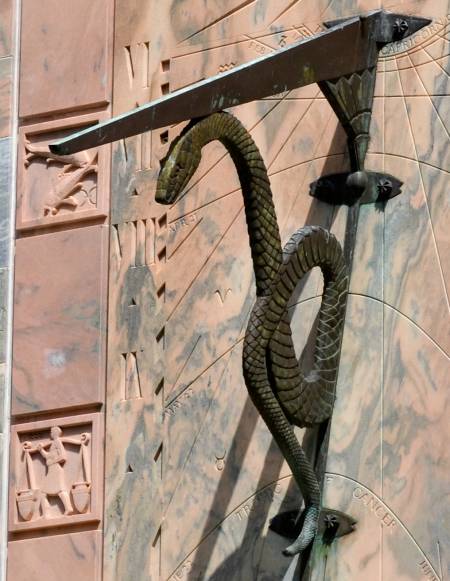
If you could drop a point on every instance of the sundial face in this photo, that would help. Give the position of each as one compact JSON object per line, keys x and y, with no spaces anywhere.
{"x":192,"y":473}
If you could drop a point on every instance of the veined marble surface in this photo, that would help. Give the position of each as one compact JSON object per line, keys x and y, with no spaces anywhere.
{"x":192,"y":475}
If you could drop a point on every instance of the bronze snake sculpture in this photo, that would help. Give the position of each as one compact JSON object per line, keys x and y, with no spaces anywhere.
{"x":275,"y":382}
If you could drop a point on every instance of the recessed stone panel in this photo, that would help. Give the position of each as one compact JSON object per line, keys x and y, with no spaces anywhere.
{"x":55,"y":189}
{"x":64,"y":60}
{"x":6,"y":26}
{"x":6,"y":67}
{"x":59,"y":320}
{"x":55,"y":473}
{"x":72,"y":557}
{"x":5,"y":200}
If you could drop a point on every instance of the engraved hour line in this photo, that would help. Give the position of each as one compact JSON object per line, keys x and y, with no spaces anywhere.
{"x":208,"y":258}
{"x":300,"y":187}
{"x":426,"y":569}
{"x":222,"y":17}
{"x":188,"y":358}
{"x":423,"y":184}
{"x":441,"y":570}
{"x":172,"y":409}
{"x":184,"y":221}
{"x":156,"y":556}
{"x":420,"y":170}
{"x":277,"y":487}
{"x":221,"y":356}
{"x":218,"y":383}
{"x":294,"y":128}
{"x":187,"y":237}
{"x":399,"y":313}
{"x":301,"y":29}
{"x":194,"y":184}
{"x":284,"y":11}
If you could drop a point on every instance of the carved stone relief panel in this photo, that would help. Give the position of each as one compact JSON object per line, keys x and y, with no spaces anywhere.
{"x":55,"y":189}
{"x":56,"y":472}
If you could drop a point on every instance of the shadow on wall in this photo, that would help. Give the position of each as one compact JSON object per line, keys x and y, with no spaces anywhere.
{"x":269,"y":547}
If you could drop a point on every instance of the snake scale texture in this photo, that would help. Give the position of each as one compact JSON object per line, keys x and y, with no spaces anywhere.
{"x":277,"y":386}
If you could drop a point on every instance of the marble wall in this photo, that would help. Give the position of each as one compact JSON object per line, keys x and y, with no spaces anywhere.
{"x":129,"y":316}
{"x":7,"y":146}
{"x":55,"y":517}
{"x":191,"y":495}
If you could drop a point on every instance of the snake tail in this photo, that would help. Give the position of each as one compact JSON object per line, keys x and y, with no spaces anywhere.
{"x":308,"y":247}
{"x":277,"y":385}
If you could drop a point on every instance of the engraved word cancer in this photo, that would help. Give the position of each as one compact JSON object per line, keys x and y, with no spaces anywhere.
{"x":375,"y":506}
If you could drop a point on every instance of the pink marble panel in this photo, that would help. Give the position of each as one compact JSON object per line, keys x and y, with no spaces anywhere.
{"x":381,"y":547}
{"x":73,"y":557}
{"x":6,"y":27}
{"x":413,"y":281}
{"x":59,"y":320}
{"x":242,"y":546}
{"x":233,"y":457}
{"x":142,"y":58}
{"x":289,"y":19}
{"x":416,"y":459}
{"x":55,"y":189}
{"x":65,"y":55}
{"x":56,"y":473}
{"x":355,"y":440}
{"x":178,"y":309}
{"x":135,"y":449}
{"x":435,"y":183}
{"x":6,"y":67}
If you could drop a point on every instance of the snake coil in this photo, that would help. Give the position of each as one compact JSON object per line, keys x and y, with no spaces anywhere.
{"x":275,"y":382}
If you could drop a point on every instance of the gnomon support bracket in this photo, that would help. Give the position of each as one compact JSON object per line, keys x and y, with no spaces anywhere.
{"x":332,"y":524}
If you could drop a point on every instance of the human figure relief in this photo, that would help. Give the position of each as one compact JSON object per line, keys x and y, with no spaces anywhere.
{"x":55,"y":481}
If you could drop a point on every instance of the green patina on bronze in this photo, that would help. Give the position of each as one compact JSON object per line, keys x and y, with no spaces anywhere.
{"x":281,"y":392}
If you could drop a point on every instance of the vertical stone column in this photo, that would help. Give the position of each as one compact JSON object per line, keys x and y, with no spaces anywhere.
{"x":8,"y":58}
{"x":59,"y":332}
{"x":134,"y":453}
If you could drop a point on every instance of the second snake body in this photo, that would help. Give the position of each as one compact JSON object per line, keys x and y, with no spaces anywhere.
{"x":281,"y":392}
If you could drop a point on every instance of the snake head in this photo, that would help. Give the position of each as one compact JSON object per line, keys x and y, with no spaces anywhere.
{"x":177,"y":167}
